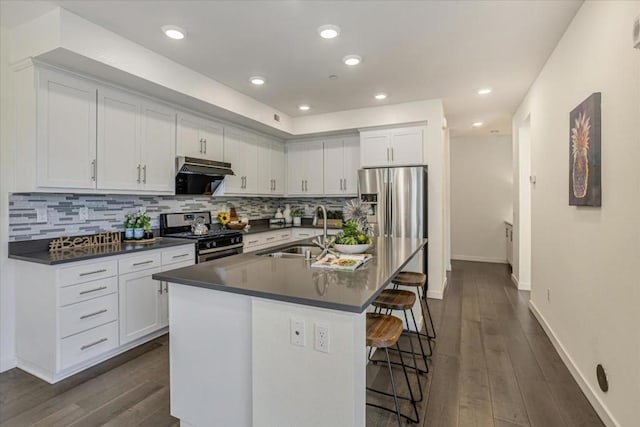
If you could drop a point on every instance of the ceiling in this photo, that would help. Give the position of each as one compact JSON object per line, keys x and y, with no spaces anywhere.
{"x":411,"y":50}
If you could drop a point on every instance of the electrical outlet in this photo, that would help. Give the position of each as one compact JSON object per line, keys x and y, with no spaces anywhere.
{"x":297,"y":332}
{"x":548,"y":295}
{"x":322,"y":338}
{"x":83,"y":213}
{"x":41,"y":215}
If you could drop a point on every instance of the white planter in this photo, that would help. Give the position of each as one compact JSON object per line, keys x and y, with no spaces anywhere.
{"x":297,"y":221}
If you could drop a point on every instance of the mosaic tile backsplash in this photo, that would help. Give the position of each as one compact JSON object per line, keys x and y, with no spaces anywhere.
{"x":106,"y":212}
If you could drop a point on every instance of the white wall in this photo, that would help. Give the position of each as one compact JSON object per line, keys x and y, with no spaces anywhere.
{"x":587,"y":258}
{"x":7,"y":310}
{"x":481,"y":197}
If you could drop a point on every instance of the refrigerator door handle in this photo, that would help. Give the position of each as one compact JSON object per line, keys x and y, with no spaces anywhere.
{"x":390,"y":204}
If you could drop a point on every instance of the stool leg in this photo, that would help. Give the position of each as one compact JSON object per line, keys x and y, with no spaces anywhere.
{"x":413,"y":354}
{"x":423,"y":297}
{"x":424,"y":355}
{"x":406,"y":377}
{"x":393,"y":386}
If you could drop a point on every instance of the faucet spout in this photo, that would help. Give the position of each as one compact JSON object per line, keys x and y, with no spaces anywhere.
{"x":324,"y":222}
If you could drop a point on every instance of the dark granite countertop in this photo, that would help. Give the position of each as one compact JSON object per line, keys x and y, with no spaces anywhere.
{"x":293,"y":280}
{"x":32,"y":252}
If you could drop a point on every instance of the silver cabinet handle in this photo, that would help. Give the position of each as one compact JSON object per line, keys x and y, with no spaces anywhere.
{"x":392,"y":154}
{"x":345,"y":183}
{"x":135,"y":264}
{"x":160,"y":287}
{"x":270,"y":238}
{"x":93,"y":170}
{"x":86,"y":316}
{"x":166,"y":287}
{"x":387,"y":154}
{"x":139,"y":167}
{"x":180,"y":256}
{"x":251,"y":242}
{"x":144,"y":174}
{"x":100,"y":341}
{"x":275,"y":185}
{"x":101,"y":288}
{"x":205,"y":146}
{"x":88,"y":273}
{"x":302,"y":183}
{"x":306,"y":185}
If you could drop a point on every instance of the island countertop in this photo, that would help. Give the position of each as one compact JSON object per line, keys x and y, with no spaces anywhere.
{"x":293,"y":280}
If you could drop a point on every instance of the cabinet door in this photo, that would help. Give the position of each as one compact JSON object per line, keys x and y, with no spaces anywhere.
{"x":139,"y":304}
{"x":66,"y":140}
{"x":406,"y":146}
{"x":189,"y":142}
{"x":213,"y":141}
{"x":351,"y":165}
{"x":119,"y":166}
{"x":163,"y":299}
{"x":251,"y":164}
{"x":334,"y":167}
{"x":277,"y":167}
{"x":296,"y":165}
{"x":314,"y":168}
{"x":264,"y":179}
{"x":158,"y":148}
{"x":375,"y":148}
{"x":234,"y":153}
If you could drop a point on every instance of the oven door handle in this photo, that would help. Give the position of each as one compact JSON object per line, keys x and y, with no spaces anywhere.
{"x":224,"y":248}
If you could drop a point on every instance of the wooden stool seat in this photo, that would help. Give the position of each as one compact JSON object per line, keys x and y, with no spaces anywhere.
{"x":410,"y":278}
{"x":395,"y":299}
{"x":383,"y":330}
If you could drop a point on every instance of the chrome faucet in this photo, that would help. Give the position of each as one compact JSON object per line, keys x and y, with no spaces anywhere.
{"x":325,"y":243}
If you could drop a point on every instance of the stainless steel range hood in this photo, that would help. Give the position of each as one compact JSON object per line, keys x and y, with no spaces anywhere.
{"x":200,"y":176}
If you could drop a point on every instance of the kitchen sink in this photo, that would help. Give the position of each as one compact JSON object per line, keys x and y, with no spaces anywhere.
{"x":293,"y":251}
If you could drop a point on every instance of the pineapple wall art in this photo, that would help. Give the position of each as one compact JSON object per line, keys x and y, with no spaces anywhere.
{"x":585,"y":188}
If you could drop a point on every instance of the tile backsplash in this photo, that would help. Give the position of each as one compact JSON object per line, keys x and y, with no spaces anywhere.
{"x":106,"y":212}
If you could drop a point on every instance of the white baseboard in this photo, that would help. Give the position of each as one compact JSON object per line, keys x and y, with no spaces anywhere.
{"x":8,"y":363}
{"x":514,"y":279}
{"x":522,"y":286}
{"x":438,"y":294}
{"x":479,"y":259}
{"x":590,"y":393}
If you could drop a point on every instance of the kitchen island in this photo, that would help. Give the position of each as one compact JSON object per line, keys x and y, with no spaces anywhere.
{"x":265,"y":341}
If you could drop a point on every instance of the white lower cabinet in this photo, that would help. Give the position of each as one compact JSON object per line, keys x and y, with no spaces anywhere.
{"x":139,"y":298}
{"x":72,"y":316}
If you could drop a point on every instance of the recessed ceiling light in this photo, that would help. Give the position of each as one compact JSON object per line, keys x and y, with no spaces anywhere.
{"x":173,"y":32}
{"x":484,"y":91}
{"x":477,"y":124}
{"x":380,"y":96}
{"x":257,"y":80}
{"x":329,"y":31}
{"x":304,"y":107}
{"x":352,"y":59}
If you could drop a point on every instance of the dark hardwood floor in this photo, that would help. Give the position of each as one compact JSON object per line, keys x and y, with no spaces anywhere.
{"x":492,"y":366}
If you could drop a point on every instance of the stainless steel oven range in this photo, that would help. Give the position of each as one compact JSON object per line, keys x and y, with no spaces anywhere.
{"x":211,"y":242}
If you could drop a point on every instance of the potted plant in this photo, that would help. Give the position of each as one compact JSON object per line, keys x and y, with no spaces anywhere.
{"x":142,"y":225}
{"x":129,"y":225}
{"x":296,"y":214}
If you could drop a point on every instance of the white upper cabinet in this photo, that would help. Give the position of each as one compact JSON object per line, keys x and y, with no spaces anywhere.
{"x":392,"y":147}
{"x":136,"y":144}
{"x":66,"y":131}
{"x":241,"y":150}
{"x":158,"y":148}
{"x":341,"y":164}
{"x":200,"y":138}
{"x":270,"y":177}
{"x":118,"y":140}
{"x":305,"y":168}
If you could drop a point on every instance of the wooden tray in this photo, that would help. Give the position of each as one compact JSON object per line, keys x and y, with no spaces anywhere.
{"x":143,"y":241}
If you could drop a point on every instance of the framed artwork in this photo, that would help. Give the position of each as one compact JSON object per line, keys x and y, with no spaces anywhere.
{"x":585,"y":186}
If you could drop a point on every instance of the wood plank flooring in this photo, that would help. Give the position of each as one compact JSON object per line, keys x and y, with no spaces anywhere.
{"x":492,"y":366}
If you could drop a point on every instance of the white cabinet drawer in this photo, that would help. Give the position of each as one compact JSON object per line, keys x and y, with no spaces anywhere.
{"x":139,"y":263}
{"x":87,"y":272}
{"x":303,"y":233}
{"x":180,"y":254}
{"x":253,"y":240}
{"x":89,"y":344}
{"x":85,"y":291}
{"x":88,"y":314}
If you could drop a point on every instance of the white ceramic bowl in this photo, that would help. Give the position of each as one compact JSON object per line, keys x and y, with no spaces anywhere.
{"x":352,"y":249}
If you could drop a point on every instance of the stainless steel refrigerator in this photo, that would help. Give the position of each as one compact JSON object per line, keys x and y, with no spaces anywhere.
{"x":397,"y":201}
